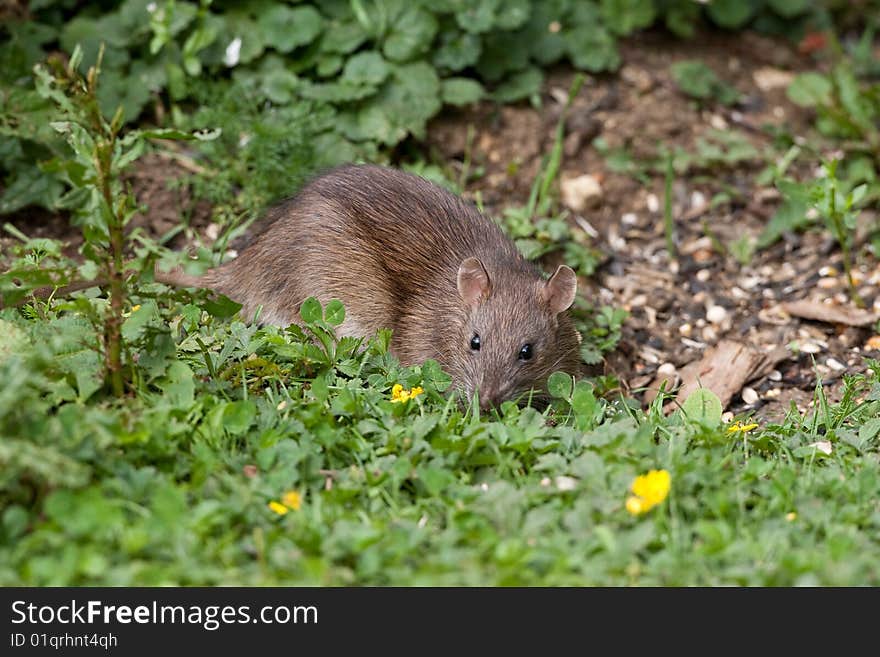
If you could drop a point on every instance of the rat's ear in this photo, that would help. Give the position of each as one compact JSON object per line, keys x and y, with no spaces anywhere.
{"x":473,"y":281}
{"x":558,"y":293}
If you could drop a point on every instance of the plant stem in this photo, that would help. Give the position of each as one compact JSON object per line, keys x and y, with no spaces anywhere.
{"x":115,"y":269}
{"x":840,"y":233}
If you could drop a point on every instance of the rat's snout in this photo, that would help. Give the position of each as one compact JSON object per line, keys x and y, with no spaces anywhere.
{"x":491,"y":396}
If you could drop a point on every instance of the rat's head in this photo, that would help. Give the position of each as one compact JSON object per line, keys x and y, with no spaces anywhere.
{"x":516,"y":331}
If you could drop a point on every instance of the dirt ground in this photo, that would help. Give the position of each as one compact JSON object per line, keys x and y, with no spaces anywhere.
{"x":679,"y":309}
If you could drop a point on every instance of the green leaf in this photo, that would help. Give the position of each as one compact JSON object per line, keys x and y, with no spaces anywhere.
{"x":238,"y":416}
{"x":789,"y":8}
{"x":627,"y":16}
{"x":584,"y":404}
{"x":502,"y":53}
{"x":221,"y":307}
{"x":366,"y":68}
{"x":560,"y":385}
{"x":731,"y":13}
{"x":343,"y":37}
{"x":791,"y":216}
{"x":518,"y":86}
{"x":178,"y":385}
{"x":435,"y":480}
{"x":12,"y":339}
{"x":869,"y":430}
{"x":411,"y":34}
{"x":703,"y":406}
{"x":682,"y":18}
{"x":200,"y":38}
{"x":403,"y":106}
{"x":457,"y":50}
{"x":810,"y":90}
{"x":336,"y":92}
{"x":477,"y":17}
{"x":285,"y":28}
{"x":334,"y":313}
{"x":592,"y":48}
{"x":310,"y":311}
{"x":697,"y":80}
{"x":280,"y":85}
{"x":461,"y":91}
{"x":180,"y":135}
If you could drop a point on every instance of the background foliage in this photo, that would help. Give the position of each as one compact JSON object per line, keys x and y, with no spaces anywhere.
{"x":319,"y":83}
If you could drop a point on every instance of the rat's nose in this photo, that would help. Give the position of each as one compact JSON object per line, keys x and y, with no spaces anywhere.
{"x":489,"y":399}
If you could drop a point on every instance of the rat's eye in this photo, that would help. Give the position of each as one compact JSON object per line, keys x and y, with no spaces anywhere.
{"x":475,"y":342}
{"x":525,"y":353}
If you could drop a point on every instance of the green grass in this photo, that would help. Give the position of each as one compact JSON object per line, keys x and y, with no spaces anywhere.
{"x":171,"y":484}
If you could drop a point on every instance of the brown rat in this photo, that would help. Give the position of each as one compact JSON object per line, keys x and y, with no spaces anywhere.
{"x":405,"y":254}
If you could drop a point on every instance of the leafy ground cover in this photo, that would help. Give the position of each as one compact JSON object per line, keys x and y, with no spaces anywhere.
{"x":737,"y":174}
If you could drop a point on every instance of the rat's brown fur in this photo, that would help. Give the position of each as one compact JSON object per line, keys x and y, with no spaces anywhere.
{"x":391,"y":247}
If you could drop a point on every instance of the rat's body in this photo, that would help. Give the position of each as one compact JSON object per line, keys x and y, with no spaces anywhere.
{"x":405,"y":254}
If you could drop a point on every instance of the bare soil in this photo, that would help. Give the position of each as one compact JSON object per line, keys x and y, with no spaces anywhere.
{"x":681,"y":307}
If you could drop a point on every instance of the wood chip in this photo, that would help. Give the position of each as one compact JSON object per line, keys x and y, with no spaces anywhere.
{"x":823,"y":312}
{"x":724,"y":370}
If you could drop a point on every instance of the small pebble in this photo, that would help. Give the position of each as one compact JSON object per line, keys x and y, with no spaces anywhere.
{"x":686,"y":330}
{"x":666,"y":369}
{"x":749,"y":396}
{"x":718,"y":122}
{"x":773,"y":393}
{"x":716,"y":314}
{"x":653,"y":203}
{"x":703,"y":275}
{"x":775,"y":375}
{"x":581,"y":192}
{"x":835,"y":364}
{"x":629,"y":219}
{"x":810,"y":348}
{"x":749,"y":282}
{"x":823,"y":446}
{"x":739,"y":293}
{"x":873,"y":343}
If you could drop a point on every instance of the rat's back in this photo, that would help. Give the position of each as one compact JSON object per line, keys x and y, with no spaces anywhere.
{"x":380,"y":240}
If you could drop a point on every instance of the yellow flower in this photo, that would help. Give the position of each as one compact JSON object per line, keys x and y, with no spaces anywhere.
{"x":135,"y":308}
{"x":791,"y":516}
{"x":399,"y":394}
{"x":738,"y":427}
{"x":635,"y":506}
{"x":649,"y":490}
{"x":278,"y":508}
{"x":292,"y":500}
